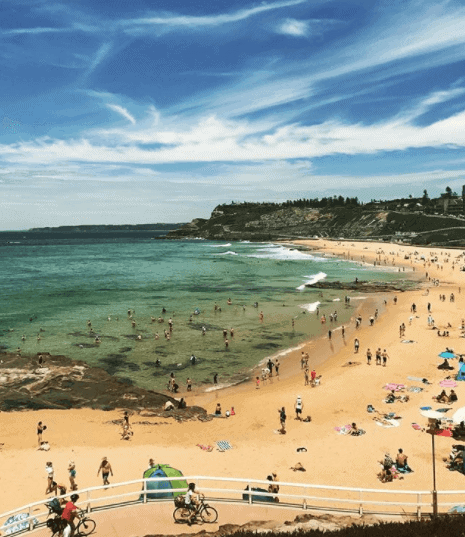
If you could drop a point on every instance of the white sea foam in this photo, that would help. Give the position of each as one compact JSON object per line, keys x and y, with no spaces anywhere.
{"x":220,"y":245}
{"x":229,"y":252}
{"x":336,"y":299}
{"x":272,"y":251}
{"x":313,"y":279}
{"x":310,"y":307}
{"x":282,"y":353}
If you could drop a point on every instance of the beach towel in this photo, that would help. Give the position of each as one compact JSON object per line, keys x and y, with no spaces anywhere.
{"x":205,"y":448}
{"x":387,"y":423}
{"x":416,"y":426}
{"x":443,"y":409}
{"x":415,"y":389}
{"x":223,"y":445}
{"x":425,"y":408}
{"x":404,"y":470}
{"x":408,"y":341}
{"x":418,"y":379}
{"x":444,"y":432}
{"x":394,"y":386}
{"x":344,"y":429}
{"x":21,"y":523}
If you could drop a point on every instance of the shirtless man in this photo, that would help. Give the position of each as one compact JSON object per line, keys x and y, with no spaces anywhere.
{"x":105,"y":468}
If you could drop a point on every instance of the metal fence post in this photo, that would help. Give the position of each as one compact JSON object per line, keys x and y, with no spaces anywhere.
{"x":360,"y":499}
{"x":304,"y":503}
{"x":419,"y":506}
{"x":31,"y":525}
{"x":89,"y":508}
{"x":250,"y":493}
{"x":145,"y":491}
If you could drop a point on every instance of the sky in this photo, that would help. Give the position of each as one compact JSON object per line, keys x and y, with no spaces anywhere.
{"x":117,"y":112}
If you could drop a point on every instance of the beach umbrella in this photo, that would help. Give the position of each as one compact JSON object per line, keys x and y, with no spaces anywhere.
{"x":448,"y":383}
{"x":457,"y":509}
{"x":459,"y":415}
{"x":447,"y":354}
{"x":432,"y":414}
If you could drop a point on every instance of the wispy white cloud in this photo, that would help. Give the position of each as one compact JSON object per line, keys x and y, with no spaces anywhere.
{"x":135,"y":25}
{"x":99,"y":56}
{"x":32,"y":31}
{"x":213,"y":139}
{"x":293,"y":27}
{"x":122,"y":111}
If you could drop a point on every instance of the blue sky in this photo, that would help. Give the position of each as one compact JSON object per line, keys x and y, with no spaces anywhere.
{"x":144,"y":111}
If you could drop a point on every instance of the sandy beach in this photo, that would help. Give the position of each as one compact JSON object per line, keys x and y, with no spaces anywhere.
{"x":85,"y":436}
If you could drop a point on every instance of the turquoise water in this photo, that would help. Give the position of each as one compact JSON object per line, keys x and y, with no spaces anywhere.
{"x":53,"y":287}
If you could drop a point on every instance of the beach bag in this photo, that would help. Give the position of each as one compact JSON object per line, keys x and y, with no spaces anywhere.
{"x":179,"y":501}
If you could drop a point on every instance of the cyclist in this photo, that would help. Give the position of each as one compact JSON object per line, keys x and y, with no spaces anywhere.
{"x":192,"y":502}
{"x":69,"y":514}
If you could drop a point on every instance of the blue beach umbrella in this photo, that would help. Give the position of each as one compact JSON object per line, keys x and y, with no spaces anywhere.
{"x":457,"y":509}
{"x":447,"y":355}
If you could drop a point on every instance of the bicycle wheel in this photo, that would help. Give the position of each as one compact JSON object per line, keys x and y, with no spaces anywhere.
{"x":181,"y":514}
{"x":209,"y":514}
{"x":86,"y":526}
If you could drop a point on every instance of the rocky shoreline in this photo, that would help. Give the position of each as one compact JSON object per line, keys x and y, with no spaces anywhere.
{"x":61,"y":383}
{"x":365,"y":286}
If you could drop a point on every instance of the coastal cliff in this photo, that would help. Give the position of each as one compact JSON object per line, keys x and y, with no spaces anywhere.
{"x":257,"y":222}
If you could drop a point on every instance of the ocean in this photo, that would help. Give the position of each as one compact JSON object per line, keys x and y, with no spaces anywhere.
{"x":52,"y":286}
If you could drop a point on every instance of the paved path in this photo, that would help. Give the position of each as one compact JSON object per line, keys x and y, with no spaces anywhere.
{"x":157,"y":518}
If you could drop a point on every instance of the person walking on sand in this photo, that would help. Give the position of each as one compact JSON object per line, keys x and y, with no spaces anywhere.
{"x":306,"y":378}
{"x":72,"y":475}
{"x":369,"y":356}
{"x":313,"y":378}
{"x":189,"y":384}
{"x":356,"y":345}
{"x":282,"y":419}
{"x":276,"y":367}
{"x":298,"y":408}
{"x":50,"y":474}
{"x":378,"y":356}
{"x":105,"y":468}
{"x":40,"y":429}
{"x":384,"y":356}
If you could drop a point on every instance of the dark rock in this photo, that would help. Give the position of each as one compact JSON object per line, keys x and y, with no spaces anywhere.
{"x":63,"y":383}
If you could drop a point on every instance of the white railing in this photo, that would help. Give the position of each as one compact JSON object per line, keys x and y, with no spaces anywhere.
{"x":225,"y":489}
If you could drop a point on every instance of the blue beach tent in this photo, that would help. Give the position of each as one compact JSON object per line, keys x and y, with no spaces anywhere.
{"x":461,"y":373}
{"x":164,"y":470}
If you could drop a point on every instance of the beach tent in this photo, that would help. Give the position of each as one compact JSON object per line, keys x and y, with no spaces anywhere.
{"x":461,"y":373}
{"x":164,"y":470}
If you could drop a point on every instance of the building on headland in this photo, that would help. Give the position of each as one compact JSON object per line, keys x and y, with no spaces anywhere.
{"x":453,"y":205}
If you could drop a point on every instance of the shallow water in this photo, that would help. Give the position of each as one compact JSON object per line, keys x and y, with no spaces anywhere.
{"x":53,"y":287}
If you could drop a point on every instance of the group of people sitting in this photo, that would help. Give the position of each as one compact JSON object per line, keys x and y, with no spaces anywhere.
{"x":391,"y":397}
{"x":392,"y":469}
{"x":456,"y":458}
{"x":447,"y":399}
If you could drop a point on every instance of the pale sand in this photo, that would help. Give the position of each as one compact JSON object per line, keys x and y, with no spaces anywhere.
{"x":333,"y":459}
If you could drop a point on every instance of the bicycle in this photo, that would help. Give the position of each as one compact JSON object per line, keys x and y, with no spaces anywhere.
{"x":207,"y":513}
{"x":85,"y":526}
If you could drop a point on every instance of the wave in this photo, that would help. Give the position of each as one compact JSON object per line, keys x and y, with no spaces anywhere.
{"x":220,"y":245}
{"x":310,"y":307}
{"x":281,"y":253}
{"x":313,"y":279}
{"x":229,"y":252}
